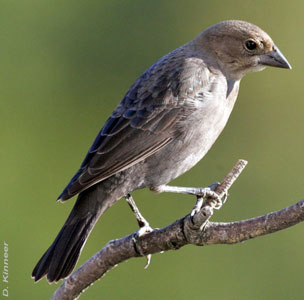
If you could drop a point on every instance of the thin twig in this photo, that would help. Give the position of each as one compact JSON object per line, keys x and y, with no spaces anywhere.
{"x":232,"y":176}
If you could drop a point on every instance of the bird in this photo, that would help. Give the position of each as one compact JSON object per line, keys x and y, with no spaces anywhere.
{"x":163,"y":126}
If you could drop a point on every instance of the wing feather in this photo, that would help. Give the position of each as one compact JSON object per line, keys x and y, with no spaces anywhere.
{"x":147,"y":119}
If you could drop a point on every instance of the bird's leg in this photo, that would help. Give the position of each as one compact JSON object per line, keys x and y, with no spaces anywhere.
{"x":142,"y":222}
{"x":144,"y":226}
{"x":214,"y":199}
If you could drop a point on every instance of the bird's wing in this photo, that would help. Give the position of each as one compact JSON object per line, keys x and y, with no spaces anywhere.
{"x":144,"y":122}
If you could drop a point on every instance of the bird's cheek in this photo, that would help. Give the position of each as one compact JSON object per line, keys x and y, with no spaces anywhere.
{"x":254,"y":65}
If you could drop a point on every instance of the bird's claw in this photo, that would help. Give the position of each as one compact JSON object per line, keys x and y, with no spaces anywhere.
{"x":214,"y":185}
{"x":225,"y":197}
{"x":148,"y":257}
{"x":198,"y":205}
{"x":213,"y":199}
{"x":145,"y":229}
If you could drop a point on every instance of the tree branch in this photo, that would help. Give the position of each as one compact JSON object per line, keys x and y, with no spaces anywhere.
{"x":195,"y":230}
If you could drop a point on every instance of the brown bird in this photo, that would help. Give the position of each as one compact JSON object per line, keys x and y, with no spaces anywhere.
{"x":164,"y":125}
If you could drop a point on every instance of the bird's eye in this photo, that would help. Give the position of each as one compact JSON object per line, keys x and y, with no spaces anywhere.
{"x":250,"y":45}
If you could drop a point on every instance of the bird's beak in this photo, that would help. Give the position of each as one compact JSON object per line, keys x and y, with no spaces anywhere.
{"x":275,"y":58}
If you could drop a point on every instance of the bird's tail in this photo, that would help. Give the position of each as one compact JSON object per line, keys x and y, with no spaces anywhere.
{"x":61,"y":257}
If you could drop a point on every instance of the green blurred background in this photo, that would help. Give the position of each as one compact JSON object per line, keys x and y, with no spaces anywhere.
{"x":64,"y":67}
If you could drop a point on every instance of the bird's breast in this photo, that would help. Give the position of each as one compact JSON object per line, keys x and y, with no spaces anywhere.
{"x":199,"y":132}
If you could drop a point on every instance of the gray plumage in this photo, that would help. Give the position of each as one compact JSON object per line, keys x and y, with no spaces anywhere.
{"x":165,"y":124}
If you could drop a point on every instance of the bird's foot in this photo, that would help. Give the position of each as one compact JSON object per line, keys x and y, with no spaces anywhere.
{"x":213,"y":199}
{"x":144,"y":226}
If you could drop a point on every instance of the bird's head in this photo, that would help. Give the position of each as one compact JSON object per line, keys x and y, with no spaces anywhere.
{"x":239,"y":47}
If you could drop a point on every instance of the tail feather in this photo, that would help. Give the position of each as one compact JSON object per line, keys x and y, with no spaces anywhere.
{"x":73,"y":259}
{"x":78,"y":241}
{"x":61,"y":257}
